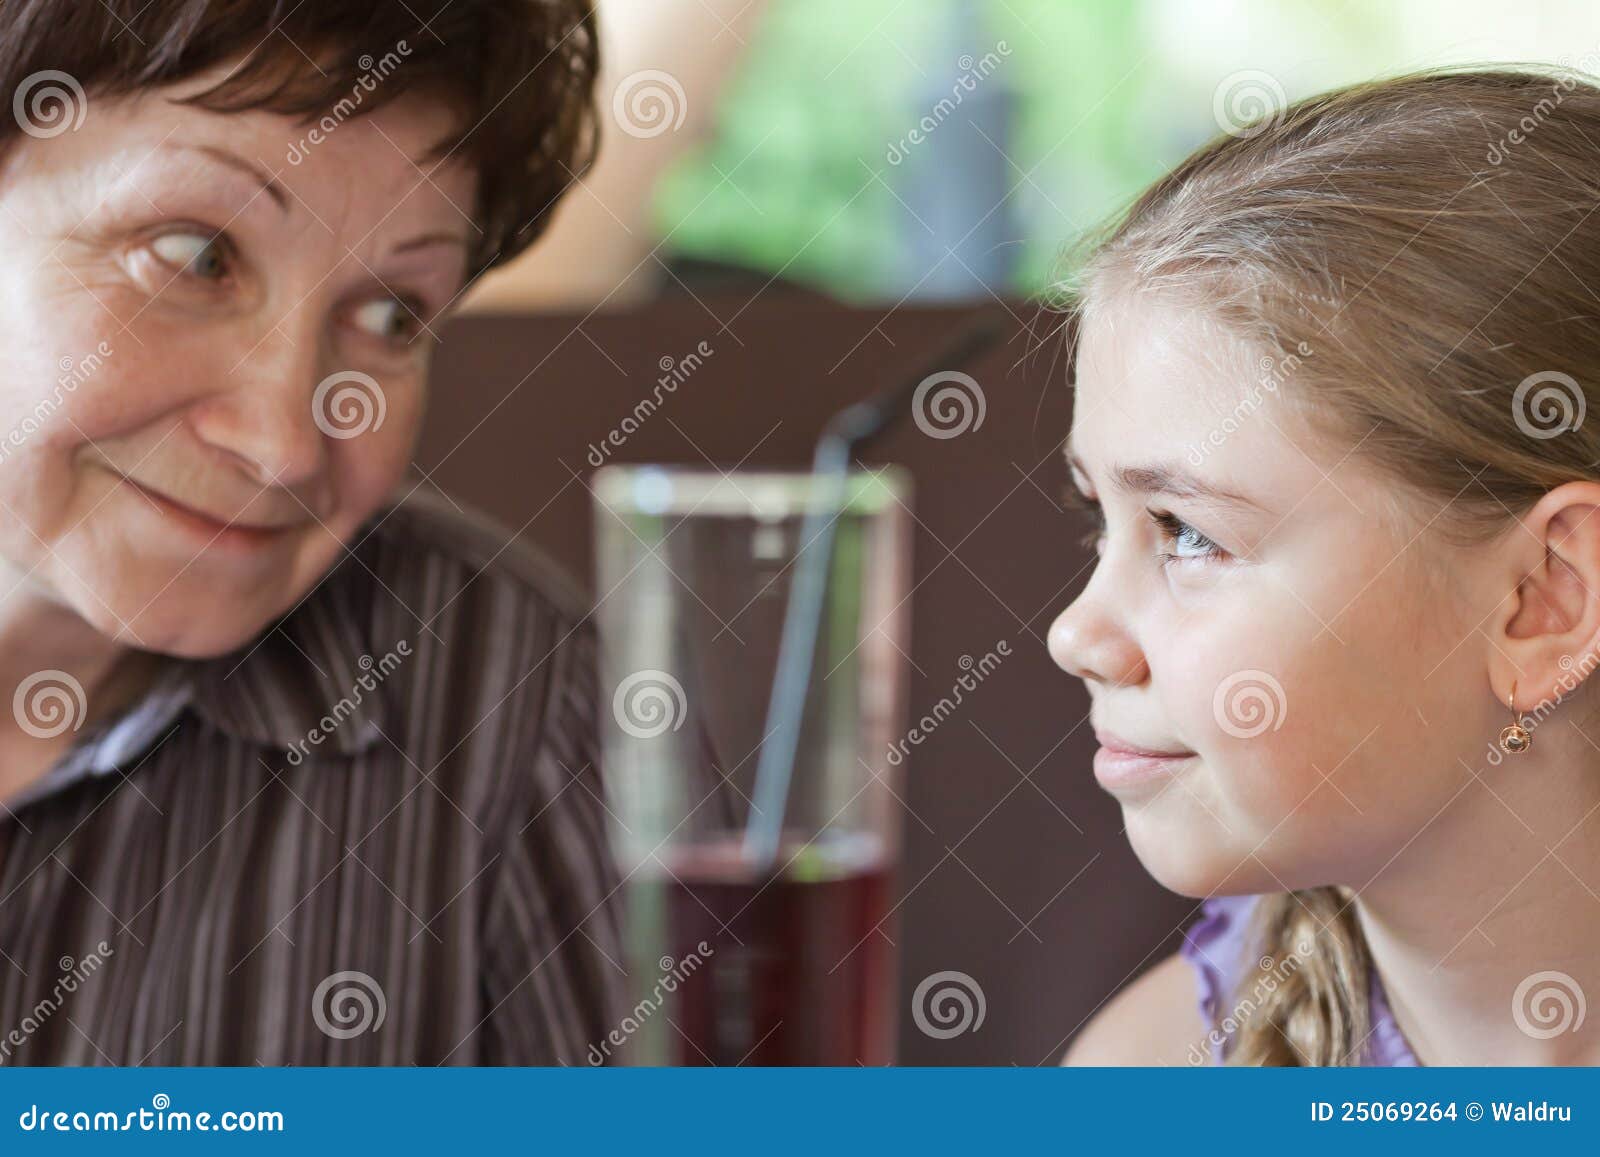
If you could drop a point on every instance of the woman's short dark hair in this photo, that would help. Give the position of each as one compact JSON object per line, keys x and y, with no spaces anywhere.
{"x":519,"y":75}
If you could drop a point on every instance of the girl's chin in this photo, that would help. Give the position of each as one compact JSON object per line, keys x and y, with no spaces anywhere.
{"x":1195,"y":864}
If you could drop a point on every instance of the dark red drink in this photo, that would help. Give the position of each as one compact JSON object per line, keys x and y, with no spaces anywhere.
{"x":800,"y":969}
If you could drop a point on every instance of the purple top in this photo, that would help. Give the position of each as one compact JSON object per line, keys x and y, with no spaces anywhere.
{"x":1215,"y":945}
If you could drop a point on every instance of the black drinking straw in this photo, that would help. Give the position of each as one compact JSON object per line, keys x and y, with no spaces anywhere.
{"x":847,"y":430}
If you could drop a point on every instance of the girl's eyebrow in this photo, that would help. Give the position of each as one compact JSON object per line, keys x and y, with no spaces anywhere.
{"x":1162,"y":478}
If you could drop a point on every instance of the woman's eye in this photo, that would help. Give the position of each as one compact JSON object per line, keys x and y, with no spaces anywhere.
{"x":1190,"y":545}
{"x":196,"y":254}
{"x":389,"y":318}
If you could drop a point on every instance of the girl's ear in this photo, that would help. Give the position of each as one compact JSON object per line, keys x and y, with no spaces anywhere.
{"x":1546,"y":634}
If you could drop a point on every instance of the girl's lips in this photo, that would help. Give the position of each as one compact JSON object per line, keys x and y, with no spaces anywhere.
{"x":1115,"y":768}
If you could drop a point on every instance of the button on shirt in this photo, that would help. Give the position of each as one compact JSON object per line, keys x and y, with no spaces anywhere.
{"x":374,"y":835}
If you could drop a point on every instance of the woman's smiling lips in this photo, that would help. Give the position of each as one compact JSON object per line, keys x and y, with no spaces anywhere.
{"x":1120,"y":763}
{"x":209,"y":530}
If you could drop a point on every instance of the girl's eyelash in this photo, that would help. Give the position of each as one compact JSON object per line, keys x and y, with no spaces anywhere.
{"x":1176,"y":528}
{"x":1170,"y":525}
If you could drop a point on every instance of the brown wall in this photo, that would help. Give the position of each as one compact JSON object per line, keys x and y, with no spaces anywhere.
{"x":1016,"y":870}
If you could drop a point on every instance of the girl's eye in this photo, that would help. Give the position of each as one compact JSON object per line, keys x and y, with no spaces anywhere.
{"x":389,"y":318}
{"x":1192,"y":546}
{"x":199,"y":255}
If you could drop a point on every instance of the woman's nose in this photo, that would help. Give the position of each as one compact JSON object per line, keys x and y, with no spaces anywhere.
{"x":266,"y":419}
{"x":1087,"y":642}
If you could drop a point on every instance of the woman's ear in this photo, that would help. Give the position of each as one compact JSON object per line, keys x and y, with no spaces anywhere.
{"x":1549,"y":626}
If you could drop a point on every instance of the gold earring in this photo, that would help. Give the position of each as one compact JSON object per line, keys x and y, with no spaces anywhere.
{"x":1515,"y":739}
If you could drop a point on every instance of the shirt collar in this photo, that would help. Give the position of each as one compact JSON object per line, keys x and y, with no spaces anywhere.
{"x":312,"y":682}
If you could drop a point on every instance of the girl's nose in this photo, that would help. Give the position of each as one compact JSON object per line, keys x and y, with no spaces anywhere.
{"x":1087,"y":642}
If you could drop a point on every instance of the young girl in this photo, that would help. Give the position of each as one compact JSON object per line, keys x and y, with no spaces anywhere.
{"x":1332,"y":377}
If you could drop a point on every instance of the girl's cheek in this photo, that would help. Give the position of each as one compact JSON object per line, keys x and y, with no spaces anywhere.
{"x":1251,"y":712}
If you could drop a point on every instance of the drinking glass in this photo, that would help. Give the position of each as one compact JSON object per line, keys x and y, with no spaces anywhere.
{"x":755,"y":934}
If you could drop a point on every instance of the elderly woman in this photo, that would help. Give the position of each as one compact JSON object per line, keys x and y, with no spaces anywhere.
{"x":300,"y":766}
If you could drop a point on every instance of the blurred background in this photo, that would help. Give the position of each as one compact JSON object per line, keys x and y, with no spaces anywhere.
{"x":937,"y":150}
{"x":794,"y":201}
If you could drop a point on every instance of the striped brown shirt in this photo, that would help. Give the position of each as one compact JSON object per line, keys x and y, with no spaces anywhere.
{"x":374,"y":836}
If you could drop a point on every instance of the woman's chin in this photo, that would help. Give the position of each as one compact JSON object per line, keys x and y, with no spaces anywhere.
{"x":185,"y":628}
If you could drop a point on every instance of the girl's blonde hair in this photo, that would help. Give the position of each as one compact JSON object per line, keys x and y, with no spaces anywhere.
{"x":1424,"y":254}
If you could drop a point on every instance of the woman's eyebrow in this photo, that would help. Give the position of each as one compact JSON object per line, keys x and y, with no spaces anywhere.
{"x":1162,"y":478}
{"x":234,"y":161}
{"x":441,"y":238}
